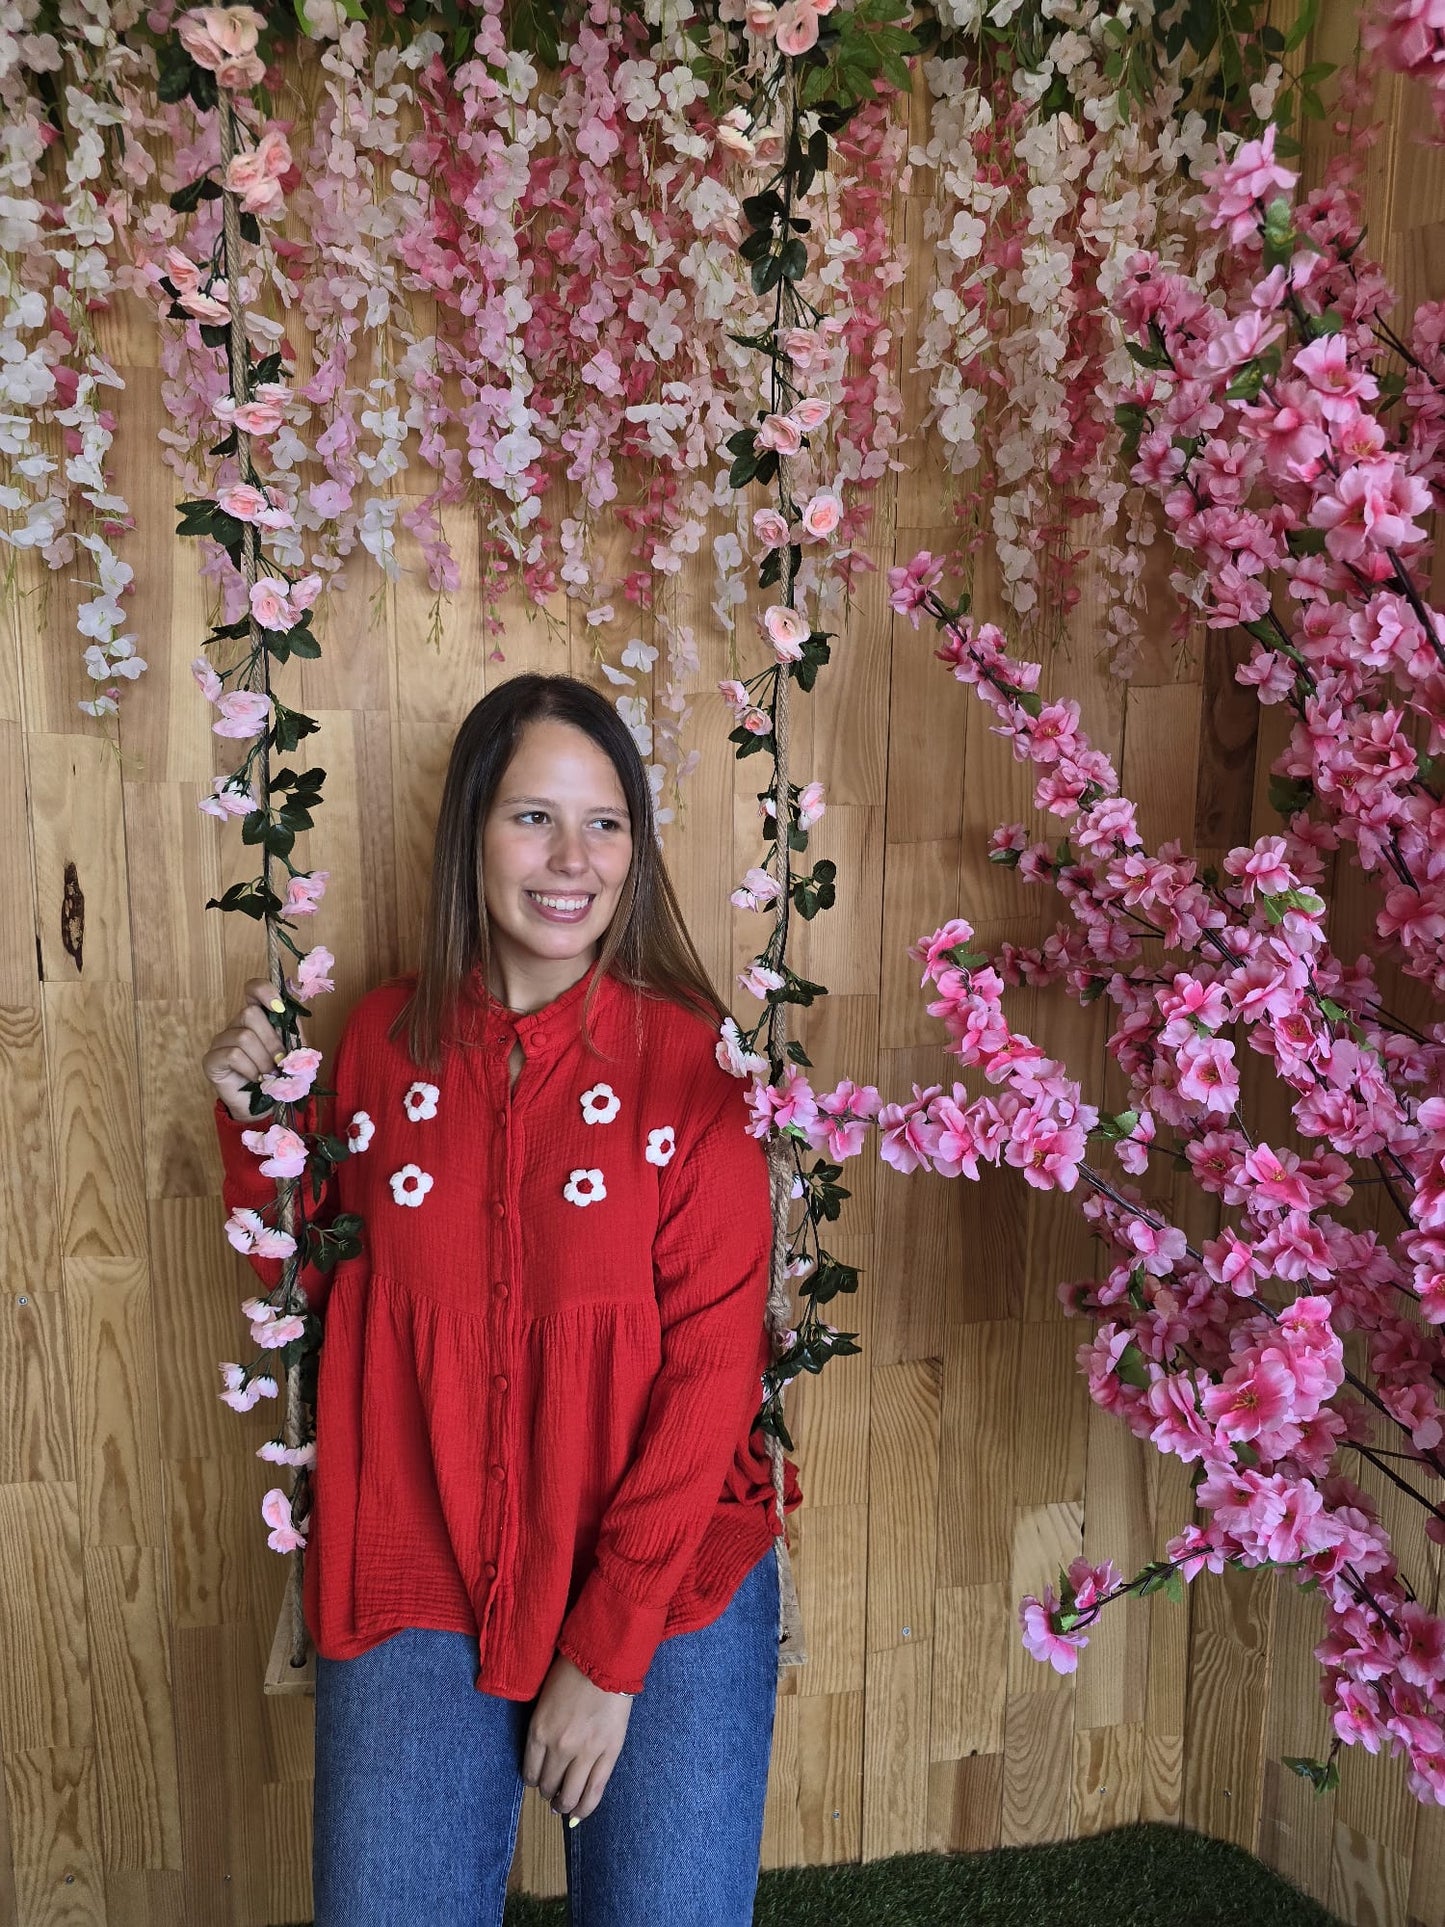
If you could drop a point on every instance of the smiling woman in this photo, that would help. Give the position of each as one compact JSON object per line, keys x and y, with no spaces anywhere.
{"x":539,"y":1485}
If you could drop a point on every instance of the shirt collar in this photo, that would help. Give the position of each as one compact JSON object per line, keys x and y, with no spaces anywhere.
{"x":545,"y":1029}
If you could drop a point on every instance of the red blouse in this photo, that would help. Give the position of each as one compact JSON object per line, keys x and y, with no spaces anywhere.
{"x":535,"y":1395}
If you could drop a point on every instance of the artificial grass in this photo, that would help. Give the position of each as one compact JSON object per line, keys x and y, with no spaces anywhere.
{"x":1144,"y":1876}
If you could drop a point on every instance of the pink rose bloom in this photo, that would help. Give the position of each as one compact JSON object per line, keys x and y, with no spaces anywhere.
{"x":207,"y":680}
{"x":305,"y":592}
{"x":241,"y":1396}
{"x":249,"y":1233}
{"x":802,"y":347}
{"x":759,"y":980}
{"x":244,"y":713}
{"x":770,"y":528}
{"x":250,"y":504}
{"x":781,"y":433}
{"x":283,"y":1152}
{"x":270,"y":604}
{"x":822,"y":515}
{"x":213,"y":307}
{"x":735,"y":696}
{"x":787,"y":632}
{"x":257,"y":417}
{"x":214,"y":35}
{"x":227,"y":799}
{"x":757,"y":722}
{"x":762,"y":19}
{"x":304,"y":893}
{"x":313,"y":974}
{"x":293,"y":1076}
{"x":797,"y":27}
{"x":810,"y":805}
{"x":811,"y":412}
{"x":756,"y":890}
{"x":181,"y":271}
{"x":732,"y":132}
{"x":256,"y":175}
{"x":285,"y":1535}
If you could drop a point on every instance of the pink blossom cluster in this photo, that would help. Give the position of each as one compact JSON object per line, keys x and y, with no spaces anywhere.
{"x":1228,"y":1353}
{"x":1303,"y":509}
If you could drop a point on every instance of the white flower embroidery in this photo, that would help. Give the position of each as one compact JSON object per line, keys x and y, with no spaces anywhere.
{"x":359,"y":1131}
{"x":584,"y":1187}
{"x":420,"y":1101}
{"x":661,"y":1144}
{"x":600,"y":1105}
{"x":410,"y":1184}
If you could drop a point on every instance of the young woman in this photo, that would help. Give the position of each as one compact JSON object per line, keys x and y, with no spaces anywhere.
{"x":541,"y":1543}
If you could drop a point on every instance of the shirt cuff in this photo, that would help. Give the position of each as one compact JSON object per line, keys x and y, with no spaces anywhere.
{"x":610,"y":1637}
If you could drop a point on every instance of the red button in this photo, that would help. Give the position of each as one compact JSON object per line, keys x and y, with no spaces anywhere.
{"x":500,"y":1208}
{"x":502,"y":1291}
{"x":490,"y":1569}
{"x":506,"y":1119}
{"x":500,"y":1381}
{"x":499,"y":1472}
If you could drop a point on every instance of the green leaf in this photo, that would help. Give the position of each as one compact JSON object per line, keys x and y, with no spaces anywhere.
{"x":1323,"y":1775}
{"x":1130,"y":1367}
{"x":1289,"y":794}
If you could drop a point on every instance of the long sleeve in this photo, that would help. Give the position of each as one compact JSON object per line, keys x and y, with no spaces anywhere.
{"x":710,"y":1265}
{"x":243,"y":1186}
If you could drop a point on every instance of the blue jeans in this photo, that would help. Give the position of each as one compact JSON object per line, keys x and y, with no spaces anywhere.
{"x":418,"y":1783}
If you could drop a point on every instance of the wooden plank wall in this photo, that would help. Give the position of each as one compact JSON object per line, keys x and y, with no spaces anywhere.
{"x":952,"y":1466}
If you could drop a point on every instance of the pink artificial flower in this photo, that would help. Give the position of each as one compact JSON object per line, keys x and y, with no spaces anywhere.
{"x":803,"y":346}
{"x":810,"y":804}
{"x":256,"y":176}
{"x":844,"y":1114}
{"x":731,"y":1055}
{"x":313,"y":974}
{"x":759,"y":980}
{"x":227,"y":799}
{"x":244,"y":713}
{"x":780,"y":433}
{"x":1371,"y":510}
{"x":207,"y":681}
{"x":787,"y":632}
{"x":270,"y":604}
{"x":293,"y":1076}
{"x":1339,"y":384}
{"x":282,"y":1151}
{"x":735,"y":696}
{"x":811,"y":412}
{"x":770,"y":528}
{"x":304,"y":893}
{"x":1041,"y":1638}
{"x":285,"y":1535}
{"x":906,"y":1137}
{"x":756,"y":891}
{"x":908,"y":587}
{"x":824,"y":511}
{"x":796,"y":28}
{"x":181,"y":271}
{"x":212,"y":308}
{"x":241,"y":1394}
{"x":249,"y":1233}
{"x":1243,"y":184}
{"x":1207,"y":1073}
{"x":223,"y":41}
{"x":249,"y":504}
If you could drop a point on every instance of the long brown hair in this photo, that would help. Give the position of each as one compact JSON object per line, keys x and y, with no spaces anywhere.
{"x":646,"y":945}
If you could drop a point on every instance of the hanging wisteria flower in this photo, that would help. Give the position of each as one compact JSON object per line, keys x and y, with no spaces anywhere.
{"x":600,"y":1105}
{"x":410,"y":1184}
{"x":584,"y":1187}
{"x":420,"y":1101}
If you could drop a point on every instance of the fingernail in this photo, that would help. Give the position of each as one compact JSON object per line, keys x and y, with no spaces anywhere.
{"x":277,"y":1003}
{"x":279,"y":1057}
{"x":572,"y":1819}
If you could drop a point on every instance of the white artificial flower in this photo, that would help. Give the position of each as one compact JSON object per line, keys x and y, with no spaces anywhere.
{"x":600,"y":1105}
{"x":584,"y":1187}
{"x":661,"y":1144}
{"x":360,"y":1130}
{"x":410,"y":1184}
{"x":420,"y":1101}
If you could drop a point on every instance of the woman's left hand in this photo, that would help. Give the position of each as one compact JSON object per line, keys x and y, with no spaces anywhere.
{"x":574,"y":1738}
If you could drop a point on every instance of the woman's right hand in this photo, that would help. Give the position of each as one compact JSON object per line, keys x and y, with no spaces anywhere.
{"x":248,"y":1048}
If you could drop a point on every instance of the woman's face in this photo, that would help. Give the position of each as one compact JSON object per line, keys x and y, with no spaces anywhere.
{"x":556,"y":845}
